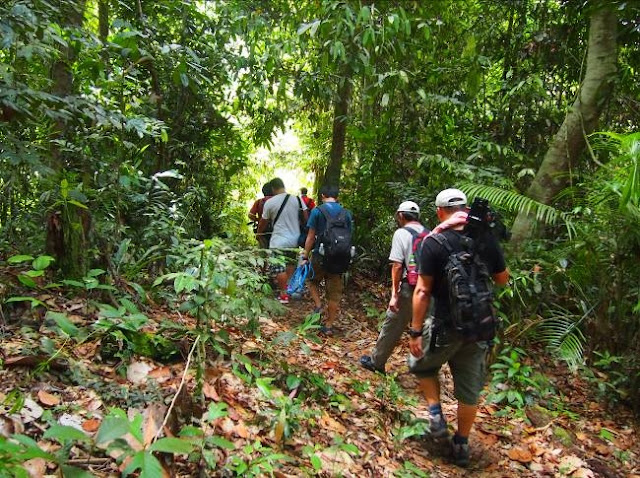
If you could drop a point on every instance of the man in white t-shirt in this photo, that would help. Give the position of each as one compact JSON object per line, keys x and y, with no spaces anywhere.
{"x":399,"y":311}
{"x":284,"y":212}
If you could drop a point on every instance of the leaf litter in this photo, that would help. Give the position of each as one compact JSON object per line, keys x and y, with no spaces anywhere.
{"x":319,"y":409}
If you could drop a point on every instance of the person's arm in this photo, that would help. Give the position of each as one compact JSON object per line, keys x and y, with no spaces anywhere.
{"x":253,"y":212}
{"x":396,"y":277}
{"x":308,"y":244}
{"x":264,"y":219}
{"x":420,"y":303}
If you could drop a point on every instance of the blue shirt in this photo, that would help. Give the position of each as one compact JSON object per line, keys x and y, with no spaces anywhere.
{"x":318,"y":222}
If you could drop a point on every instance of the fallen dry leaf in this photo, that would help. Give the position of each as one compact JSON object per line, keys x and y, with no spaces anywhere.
{"x":326,"y":421}
{"x":91,"y":425}
{"x":161,"y":374}
{"x":138,"y":372}
{"x":569,"y":464}
{"x":68,"y":420}
{"x":209,"y":391}
{"x":30,"y":411}
{"x":36,"y":467}
{"x":520,"y":454}
{"x":48,"y":399}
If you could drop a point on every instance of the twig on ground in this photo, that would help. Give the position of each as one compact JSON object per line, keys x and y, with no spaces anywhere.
{"x":175,"y":397}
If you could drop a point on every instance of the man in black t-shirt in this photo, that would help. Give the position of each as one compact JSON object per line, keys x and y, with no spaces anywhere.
{"x":433,"y":342}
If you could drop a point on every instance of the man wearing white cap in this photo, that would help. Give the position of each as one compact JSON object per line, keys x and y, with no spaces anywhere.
{"x":433,"y":342}
{"x":403,"y":280}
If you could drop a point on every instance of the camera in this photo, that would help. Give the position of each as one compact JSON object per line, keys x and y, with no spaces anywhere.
{"x":482,"y":219}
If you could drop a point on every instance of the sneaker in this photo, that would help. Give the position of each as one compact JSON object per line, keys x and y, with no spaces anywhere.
{"x":326,"y":330}
{"x":367,"y":362}
{"x":438,"y":427}
{"x":283,"y":298}
{"x":460,"y":453}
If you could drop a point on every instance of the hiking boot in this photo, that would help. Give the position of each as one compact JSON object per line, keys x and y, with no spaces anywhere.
{"x":438,"y":427}
{"x":283,"y":298}
{"x":460,"y":453}
{"x":367,"y":362}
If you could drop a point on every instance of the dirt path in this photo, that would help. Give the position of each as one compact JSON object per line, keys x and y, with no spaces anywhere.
{"x":299,"y":404}
{"x":582,"y":440}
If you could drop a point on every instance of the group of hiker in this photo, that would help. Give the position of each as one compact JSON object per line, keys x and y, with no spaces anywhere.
{"x":454,"y":264}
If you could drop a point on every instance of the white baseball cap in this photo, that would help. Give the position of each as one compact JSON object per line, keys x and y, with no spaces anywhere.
{"x":451,"y":197}
{"x":408,"y":206}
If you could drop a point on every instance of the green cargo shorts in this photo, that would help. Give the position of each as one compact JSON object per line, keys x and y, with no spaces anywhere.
{"x":467,"y":361}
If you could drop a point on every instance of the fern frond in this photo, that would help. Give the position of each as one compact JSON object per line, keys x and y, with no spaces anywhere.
{"x":514,"y":202}
{"x":562,"y":335}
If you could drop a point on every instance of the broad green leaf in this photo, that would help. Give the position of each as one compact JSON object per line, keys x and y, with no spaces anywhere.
{"x":216,"y":410}
{"x":33,"y":273}
{"x":316,"y":462}
{"x":27,"y":281}
{"x":42,"y":262}
{"x":74,"y":472}
{"x":172,"y":445}
{"x":19,"y":258}
{"x":34,"y":302}
{"x":293,"y":382}
{"x":148,"y":465}
{"x":221,"y":442}
{"x":64,"y":323}
{"x":63,"y":434}
{"x":77,"y":204}
{"x":115,"y":425}
{"x":73,"y":283}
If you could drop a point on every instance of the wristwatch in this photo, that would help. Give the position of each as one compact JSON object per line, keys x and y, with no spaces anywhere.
{"x":414,"y":333}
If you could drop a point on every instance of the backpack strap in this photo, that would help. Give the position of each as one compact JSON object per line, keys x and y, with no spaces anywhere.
{"x":414,"y":236}
{"x":286,"y":198}
{"x":301,"y":214}
{"x":443,"y":241}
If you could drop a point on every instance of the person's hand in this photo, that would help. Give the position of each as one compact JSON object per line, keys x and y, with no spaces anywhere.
{"x":393,"y":304}
{"x":415,"y":346}
{"x":303,"y":260}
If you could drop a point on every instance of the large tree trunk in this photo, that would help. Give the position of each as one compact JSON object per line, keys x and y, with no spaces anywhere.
{"x":580,"y":121}
{"x":68,"y":225}
{"x":340,"y":112}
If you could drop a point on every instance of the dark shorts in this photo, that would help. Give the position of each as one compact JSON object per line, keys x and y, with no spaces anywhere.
{"x":333,"y":282}
{"x":467,"y":361}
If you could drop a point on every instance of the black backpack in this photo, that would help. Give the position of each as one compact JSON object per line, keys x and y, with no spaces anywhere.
{"x":335,"y":242}
{"x":470,"y":289}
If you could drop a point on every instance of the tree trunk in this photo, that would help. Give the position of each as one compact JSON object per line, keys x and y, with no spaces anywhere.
{"x":103,"y":32}
{"x":68,"y":225}
{"x":340,"y":112}
{"x":580,"y":120}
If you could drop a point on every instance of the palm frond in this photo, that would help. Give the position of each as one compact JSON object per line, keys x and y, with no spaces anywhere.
{"x":514,"y":202}
{"x":562,"y":335}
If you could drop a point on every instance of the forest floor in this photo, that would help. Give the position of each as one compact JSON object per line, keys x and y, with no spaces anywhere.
{"x":295,"y":402}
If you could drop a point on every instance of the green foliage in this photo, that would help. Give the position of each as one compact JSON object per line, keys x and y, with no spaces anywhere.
{"x":409,"y":470}
{"x":38,"y":268}
{"x":614,"y":376}
{"x":513,"y":380}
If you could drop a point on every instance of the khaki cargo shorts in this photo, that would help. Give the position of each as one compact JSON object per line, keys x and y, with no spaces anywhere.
{"x":467,"y":361}
{"x":333,"y":282}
